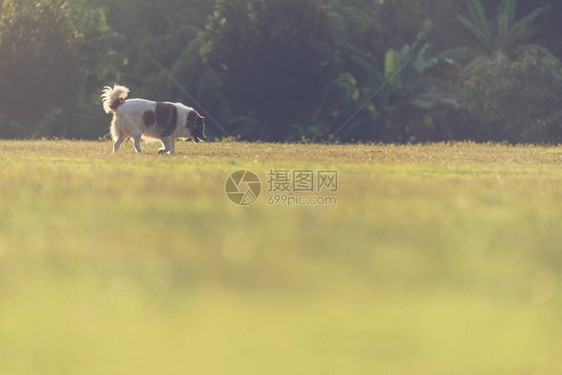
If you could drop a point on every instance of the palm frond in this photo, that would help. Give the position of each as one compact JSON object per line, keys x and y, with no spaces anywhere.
{"x":503,"y":28}
{"x":438,"y":92}
{"x":475,"y":30}
{"x":375,"y":77}
{"x":423,"y":61}
{"x":479,"y":17}
{"x":526,"y":21}
{"x":508,"y":7}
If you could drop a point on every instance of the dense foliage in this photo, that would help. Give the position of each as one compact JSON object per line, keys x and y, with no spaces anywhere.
{"x":392,"y":71}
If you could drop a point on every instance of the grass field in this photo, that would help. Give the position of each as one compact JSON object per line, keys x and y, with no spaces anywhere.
{"x":464,"y":238}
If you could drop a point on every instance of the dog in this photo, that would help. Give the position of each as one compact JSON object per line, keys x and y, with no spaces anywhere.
{"x":138,"y":118}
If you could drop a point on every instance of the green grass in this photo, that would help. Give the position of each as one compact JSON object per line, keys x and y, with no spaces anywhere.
{"x":465,"y":237}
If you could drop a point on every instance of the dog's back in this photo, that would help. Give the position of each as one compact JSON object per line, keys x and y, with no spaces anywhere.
{"x":135,"y":106}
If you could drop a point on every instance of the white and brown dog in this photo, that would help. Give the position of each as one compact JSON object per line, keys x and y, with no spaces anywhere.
{"x":139,"y":118}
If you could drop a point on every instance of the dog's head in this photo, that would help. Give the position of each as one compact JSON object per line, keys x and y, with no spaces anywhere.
{"x":196,"y":126}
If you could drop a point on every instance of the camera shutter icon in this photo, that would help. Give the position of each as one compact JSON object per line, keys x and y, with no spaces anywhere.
{"x":243,"y":187}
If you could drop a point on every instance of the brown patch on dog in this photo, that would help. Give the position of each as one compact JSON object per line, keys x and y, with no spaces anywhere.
{"x":166,"y":118}
{"x":196,"y":125}
{"x":194,"y":121}
{"x":116,"y":103}
{"x":148,"y":118}
{"x":191,"y":122}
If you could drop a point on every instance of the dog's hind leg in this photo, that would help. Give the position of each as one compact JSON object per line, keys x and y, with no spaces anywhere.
{"x":166,"y":143}
{"x":172,"y":146}
{"x":137,"y":139}
{"x":118,"y":143}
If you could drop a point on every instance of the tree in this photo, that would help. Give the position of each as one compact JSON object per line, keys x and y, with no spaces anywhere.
{"x":273,"y":59}
{"x":386,"y":96}
{"x":508,"y":87}
{"x":519,"y":99}
{"x":37,"y":63}
{"x":54,"y":56}
{"x":504,"y":36}
{"x":397,"y":23}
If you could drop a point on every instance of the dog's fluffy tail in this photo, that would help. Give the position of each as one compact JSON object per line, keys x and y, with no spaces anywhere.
{"x":112,"y":97}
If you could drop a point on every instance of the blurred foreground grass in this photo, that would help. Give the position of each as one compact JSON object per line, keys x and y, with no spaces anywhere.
{"x":465,"y":237}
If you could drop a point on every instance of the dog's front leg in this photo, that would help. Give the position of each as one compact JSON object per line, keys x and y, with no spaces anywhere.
{"x":166,"y":143}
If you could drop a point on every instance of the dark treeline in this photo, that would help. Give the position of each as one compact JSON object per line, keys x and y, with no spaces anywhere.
{"x":390,"y":71}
